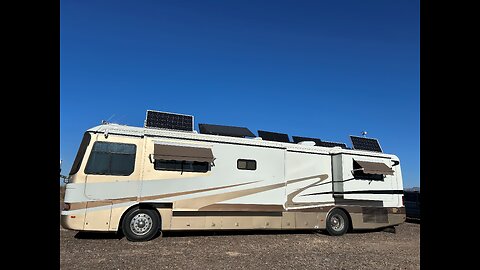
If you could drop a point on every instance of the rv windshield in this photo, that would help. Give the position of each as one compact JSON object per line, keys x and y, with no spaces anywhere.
{"x":80,"y":153}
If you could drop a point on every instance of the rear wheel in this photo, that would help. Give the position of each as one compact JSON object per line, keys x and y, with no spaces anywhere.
{"x":337,"y":222}
{"x":141,"y":224}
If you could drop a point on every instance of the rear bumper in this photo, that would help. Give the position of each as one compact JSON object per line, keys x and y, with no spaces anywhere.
{"x":72,"y":222}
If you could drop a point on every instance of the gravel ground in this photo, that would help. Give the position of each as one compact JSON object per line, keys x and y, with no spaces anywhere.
{"x":245,"y":250}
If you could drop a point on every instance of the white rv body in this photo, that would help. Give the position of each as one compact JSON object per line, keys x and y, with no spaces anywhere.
{"x":294,"y":186}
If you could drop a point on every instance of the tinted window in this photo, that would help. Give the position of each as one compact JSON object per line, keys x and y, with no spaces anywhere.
{"x":111,"y":159}
{"x":179,"y":165}
{"x":80,"y":153}
{"x":246,"y":164}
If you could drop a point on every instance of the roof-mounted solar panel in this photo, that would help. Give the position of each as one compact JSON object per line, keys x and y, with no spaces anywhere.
{"x":273,"y":136}
{"x":231,"y":131}
{"x":332,"y":144}
{"x":165,"y":120}
{"x":297,"y":139}
{"x":362,"y":143}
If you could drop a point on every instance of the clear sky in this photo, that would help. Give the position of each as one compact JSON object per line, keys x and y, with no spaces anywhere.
{"x":325,"y":69}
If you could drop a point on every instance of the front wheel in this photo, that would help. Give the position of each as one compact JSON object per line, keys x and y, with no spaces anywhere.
{"x":337,"y":222}
{"x":140,"y":224}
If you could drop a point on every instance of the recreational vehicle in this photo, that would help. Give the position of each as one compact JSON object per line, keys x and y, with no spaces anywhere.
{"x":165,"y":175}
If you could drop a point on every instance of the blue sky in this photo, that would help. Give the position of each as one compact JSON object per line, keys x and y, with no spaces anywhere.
{"x":325,"y":69}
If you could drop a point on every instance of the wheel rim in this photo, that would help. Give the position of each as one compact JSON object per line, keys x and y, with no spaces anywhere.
{"x":337,"y":222}
{"x":141,"y":224}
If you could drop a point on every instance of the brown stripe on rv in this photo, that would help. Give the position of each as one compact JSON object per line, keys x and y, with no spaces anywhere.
{"x":78,"y":205}
{"x":350,"y":209}
{"x":187,"y":153}
{"x":243,"y":207}
{"x":98,"y":203}
{"x":226,"y":213}
{"x":91,"y":204}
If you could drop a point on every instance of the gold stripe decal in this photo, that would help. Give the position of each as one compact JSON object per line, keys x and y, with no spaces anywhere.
{"x":192,"y":191}
{"x":92,"y":204}
{"x":198,"y":203}
{"x":208,"y":202}
{"x":292,"y":195}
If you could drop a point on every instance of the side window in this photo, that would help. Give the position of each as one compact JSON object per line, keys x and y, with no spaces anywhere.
{"x":111,"y":159}
{"x":246,"y":164}
{"x":182,"y":166}
{"x":80,"y":153}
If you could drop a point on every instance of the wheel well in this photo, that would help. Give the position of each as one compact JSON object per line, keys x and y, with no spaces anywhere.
{"x":141,"y":206}
{"x":350,"y":225}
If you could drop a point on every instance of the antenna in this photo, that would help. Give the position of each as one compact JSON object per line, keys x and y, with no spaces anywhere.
{"x":108,"y":120}
{"x":105,"y":122}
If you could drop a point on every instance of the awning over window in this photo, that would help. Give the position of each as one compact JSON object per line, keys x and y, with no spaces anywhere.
{"x":375,"y":167}
{"x":183,"y":153}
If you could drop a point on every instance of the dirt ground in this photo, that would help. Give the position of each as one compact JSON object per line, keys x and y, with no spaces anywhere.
{"x":245,"y":250}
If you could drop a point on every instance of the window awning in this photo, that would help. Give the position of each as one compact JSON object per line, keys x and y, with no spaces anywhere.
{"x":375,"y":167}
{"x":183,"y":153}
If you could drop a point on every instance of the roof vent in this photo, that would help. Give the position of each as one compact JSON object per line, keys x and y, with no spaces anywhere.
{"x":309,"y":143}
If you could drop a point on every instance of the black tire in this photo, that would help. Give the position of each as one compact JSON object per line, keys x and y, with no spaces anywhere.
{"x":141,"y":224}
{"x":337,"y":222}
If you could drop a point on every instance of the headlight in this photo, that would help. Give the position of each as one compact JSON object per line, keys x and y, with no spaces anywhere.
{"x":66,"y":206}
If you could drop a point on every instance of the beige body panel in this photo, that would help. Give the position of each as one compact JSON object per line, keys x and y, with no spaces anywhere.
{"x":98,"y":220}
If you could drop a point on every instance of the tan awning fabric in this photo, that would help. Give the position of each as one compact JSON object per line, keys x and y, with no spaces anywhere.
{"x":375,"y":167}
{"x":186,"y":153}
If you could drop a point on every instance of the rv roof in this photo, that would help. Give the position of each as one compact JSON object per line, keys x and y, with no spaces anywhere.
{"x":141,"y":131}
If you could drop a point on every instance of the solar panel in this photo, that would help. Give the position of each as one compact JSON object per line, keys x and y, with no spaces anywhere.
{"x":156,"y":119}
{"x":332,"y":144}
{"x":231,"y":131}
{"x":362,"y":143}
{"x":297,"y":139}
{"x":273,"y":136}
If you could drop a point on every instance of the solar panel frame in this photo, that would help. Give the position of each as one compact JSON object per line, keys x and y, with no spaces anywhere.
{"x":297,"y":139}
{"x":170,"y":121}
{"x":367,"y":144}
{"x":231,"y":131}
{"x":273,"y":136}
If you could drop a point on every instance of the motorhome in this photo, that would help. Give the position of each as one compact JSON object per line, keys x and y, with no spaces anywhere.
{"x":164,"y":176}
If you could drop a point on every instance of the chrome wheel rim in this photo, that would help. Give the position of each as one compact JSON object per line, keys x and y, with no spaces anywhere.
{"x":337,"y":222}
{"x":141,"y":224}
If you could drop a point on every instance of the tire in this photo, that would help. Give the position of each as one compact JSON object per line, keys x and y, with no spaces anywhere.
{"x":141,"y":224}
{"x":337,"y":222}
